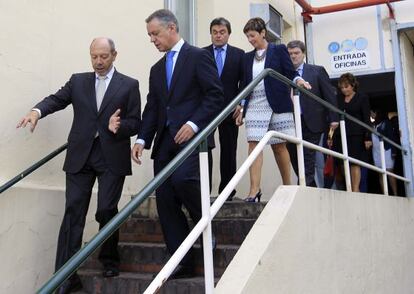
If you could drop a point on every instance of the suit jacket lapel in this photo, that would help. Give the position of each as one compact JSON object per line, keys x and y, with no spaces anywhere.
{"x":227,"y":60}
{"x":249,"y":69}
{"x":179,"y":65}
{"x":269,"y":55}
{"x":91,"y":91}
{"x":113,"y":87}
{"x":305,"y":72}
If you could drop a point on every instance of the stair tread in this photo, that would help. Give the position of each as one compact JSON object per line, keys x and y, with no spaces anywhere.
{"x":162,"y":245}
{"x":131,"y":275}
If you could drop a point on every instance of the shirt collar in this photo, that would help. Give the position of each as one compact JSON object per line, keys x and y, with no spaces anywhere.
{"x":300,"y":68}
{"x":177,"y":46}
{"x":224,"y":47}
{"x":109,"y":74}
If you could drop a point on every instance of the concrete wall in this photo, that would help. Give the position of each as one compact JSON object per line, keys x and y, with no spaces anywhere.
{"x":407,"y":61}
{"x":324,"y":241}
{"x":29,"y":225}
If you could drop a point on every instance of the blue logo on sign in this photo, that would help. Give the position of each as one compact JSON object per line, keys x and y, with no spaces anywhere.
{"x":333,"y":47}
{"x":361,"y":43}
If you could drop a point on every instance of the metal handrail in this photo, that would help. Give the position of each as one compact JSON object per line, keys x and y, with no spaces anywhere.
{"x":73,"y":263}
{"x":33,"y":167}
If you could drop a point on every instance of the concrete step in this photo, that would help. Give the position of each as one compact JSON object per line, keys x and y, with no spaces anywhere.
{"x":151,"y":257}
{"x":226,"y":231}
{"x":127,"y":282}
{"x":231,"y":209}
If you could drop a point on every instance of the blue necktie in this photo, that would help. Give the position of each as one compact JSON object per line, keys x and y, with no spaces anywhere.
{"x":219,"y":60}
{"x":169,"y":67}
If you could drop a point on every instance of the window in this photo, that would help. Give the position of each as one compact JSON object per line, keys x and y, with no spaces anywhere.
{"x":273,"y":19}
{"x":184,"y":10}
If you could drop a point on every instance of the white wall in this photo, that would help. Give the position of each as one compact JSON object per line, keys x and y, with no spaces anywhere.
{"x":407,"y":61}
{"x":323,"y":241}
{"x":351,"y":24}
{"x":43,"y":43}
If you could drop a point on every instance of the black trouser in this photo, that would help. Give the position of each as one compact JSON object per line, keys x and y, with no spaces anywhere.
{"x":181,"y":188}
{"x":78,"y":195}
{"x":228,"y":133}
{"x":308,"y":154}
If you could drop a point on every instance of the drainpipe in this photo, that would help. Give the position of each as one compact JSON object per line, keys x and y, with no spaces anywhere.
{"x":308,"y":9}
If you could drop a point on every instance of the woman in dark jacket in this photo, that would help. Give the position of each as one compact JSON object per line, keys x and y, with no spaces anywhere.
{"x":358,"y":138}
{"x":269,"y":107}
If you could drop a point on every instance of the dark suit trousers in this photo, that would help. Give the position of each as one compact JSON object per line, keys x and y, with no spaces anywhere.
{"x":182,"y":188}
{"x":228,"y":133}
{"x":309,"y":154}
{"x":78,"y":195}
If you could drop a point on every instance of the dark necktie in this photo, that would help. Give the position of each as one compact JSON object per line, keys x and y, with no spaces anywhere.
{"x":219,"y":60}
{"x":169,"y":67}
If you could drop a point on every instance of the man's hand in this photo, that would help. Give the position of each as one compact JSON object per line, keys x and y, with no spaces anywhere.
{"x":304,"y":84}
{"x":136,"y":153}
{"x":237,"y":111}
{"x":368,"y":144}
{"x":184,"y":134}
{"x":334,"y":125}
{"x":115,"y":121}
{"x":32,"y":117}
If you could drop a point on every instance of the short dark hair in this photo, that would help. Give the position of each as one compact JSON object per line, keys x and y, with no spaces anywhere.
{"x":297,"y":44}
{"x":221,"y":21}
{"x":165,"y":16}
{"x":348,"y":78}
{"x":255,"y":24}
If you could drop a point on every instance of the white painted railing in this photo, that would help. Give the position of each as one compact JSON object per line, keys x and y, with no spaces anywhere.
{"x":208,"y":213}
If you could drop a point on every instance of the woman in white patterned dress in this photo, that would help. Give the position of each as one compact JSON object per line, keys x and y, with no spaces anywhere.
{"x":269,"y":107}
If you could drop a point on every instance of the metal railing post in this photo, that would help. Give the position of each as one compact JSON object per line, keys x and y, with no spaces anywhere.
{"x":205,"y":212}
{"x":299,"y":146}
{"x":384,"y":168}
{"x":345,"y":152}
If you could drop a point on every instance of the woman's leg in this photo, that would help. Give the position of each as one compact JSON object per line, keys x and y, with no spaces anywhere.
{"x":393,"y":183}
{"x":355,"y":177}
{"x":255,"y":171}
{"x":283,"y":161}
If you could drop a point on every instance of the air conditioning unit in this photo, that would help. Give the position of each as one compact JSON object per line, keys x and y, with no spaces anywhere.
{"x":272,"y":18}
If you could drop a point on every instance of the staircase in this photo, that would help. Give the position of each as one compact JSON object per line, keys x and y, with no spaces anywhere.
{"x":143,"y":252}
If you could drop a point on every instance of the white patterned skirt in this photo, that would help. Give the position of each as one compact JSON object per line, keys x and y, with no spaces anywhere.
{"x":260,"y":118}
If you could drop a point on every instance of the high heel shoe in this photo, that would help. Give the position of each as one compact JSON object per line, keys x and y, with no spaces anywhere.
{"x":253,"y":198}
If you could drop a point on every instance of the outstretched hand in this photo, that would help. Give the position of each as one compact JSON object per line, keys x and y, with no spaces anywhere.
{"x":31,"y":118}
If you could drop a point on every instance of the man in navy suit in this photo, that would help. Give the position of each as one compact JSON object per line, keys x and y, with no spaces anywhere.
{"x":107,"y":112}
{"x":314,"y":116}
{"x":229,"y":62}
{"x":185,"y":94}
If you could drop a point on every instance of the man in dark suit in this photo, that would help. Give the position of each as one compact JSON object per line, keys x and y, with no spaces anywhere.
{"x":229,"y":62}
{"x":106,"y":106}
{"x":185,"y":94}
{"x":315,"y":117}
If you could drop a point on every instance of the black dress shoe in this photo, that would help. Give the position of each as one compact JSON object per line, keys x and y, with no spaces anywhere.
{"x":71,"y":285}
{"x":182,"y":272}
{"x":110,"y":272}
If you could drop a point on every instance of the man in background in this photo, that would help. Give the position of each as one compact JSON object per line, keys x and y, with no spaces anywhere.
{"x":229,"y":62}
{"x":315,"y":118}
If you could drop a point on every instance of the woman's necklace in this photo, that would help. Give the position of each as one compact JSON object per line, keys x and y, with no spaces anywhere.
{"x":259,"y":57}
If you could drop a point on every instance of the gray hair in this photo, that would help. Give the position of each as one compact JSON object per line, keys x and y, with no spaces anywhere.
{"x":296,"y":44}
{"x":165,"y":16}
